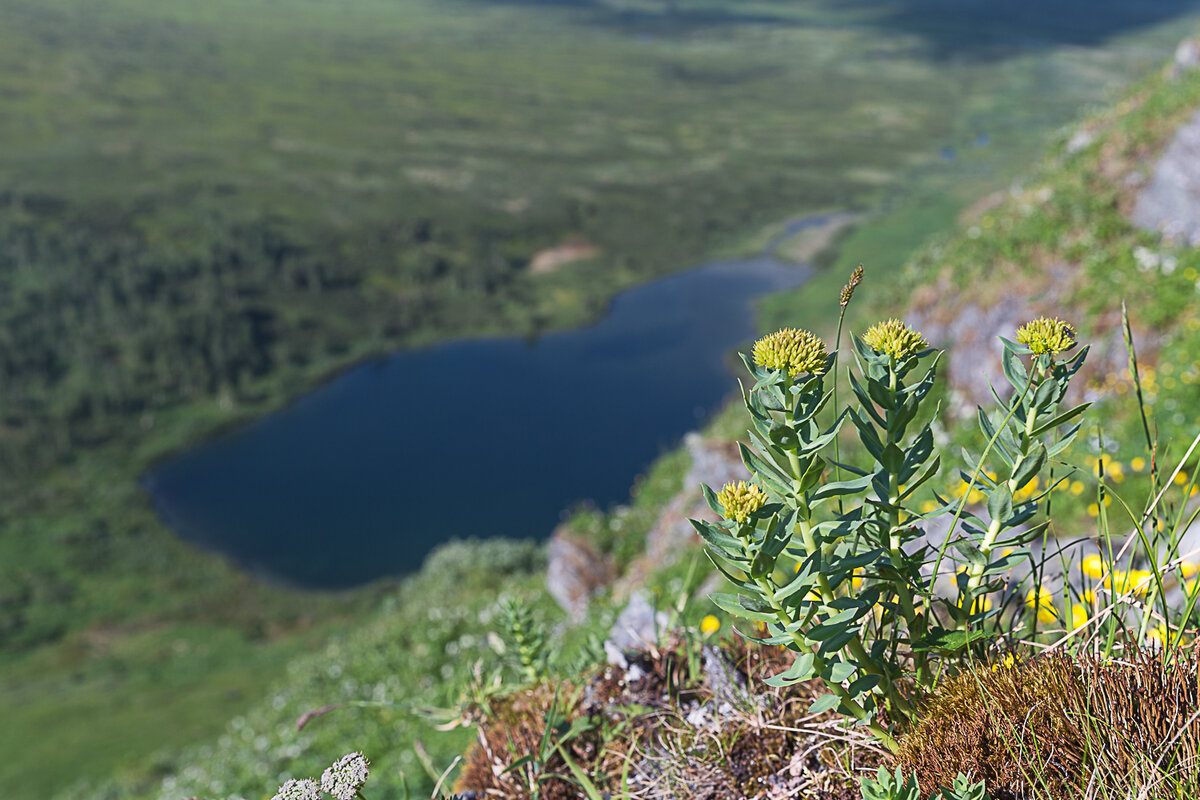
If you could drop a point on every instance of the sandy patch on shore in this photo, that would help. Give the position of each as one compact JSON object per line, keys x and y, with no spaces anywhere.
{"x":552,"y":258}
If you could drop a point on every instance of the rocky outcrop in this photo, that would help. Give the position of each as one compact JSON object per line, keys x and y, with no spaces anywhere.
{"x":715,"y":463}
{"x":639,"y":626}
{"x":1187,"y":58}
{"x":1170,"y":203}
{"x":575,"y":572}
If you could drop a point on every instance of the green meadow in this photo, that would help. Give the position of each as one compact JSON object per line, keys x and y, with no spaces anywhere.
{"x":208,"y":208}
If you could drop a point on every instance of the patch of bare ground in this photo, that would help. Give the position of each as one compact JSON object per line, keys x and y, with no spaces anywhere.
{"x":552,"y":258}
{"x":686,"y":720}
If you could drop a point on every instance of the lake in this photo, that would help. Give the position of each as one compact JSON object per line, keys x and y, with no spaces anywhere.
{"x":499,"y":437}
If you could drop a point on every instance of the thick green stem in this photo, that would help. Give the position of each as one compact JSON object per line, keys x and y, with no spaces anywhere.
{"x":914,"y":623}
{"x":856,"y":708}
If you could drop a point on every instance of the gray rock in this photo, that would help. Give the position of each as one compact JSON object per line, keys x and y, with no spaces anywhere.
{"x":638,"y":627}
{"x":1170,"y":204}
{"x":1081,"y":140}
{"x":1187,"y":58}
{"x":973,"y":362}
{"x":575,"y":572}
{"x":728,"y":686}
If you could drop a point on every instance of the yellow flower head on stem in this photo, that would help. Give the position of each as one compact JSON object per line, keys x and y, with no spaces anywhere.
{"x":710,"y":625}
{"x":791,"y":349}
{"x":740,"y":500}
{"x":1045,"y":335}
{"x":895,"y":339}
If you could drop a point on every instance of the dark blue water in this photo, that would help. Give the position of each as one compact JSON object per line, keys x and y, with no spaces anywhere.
{"x":363,"y":477}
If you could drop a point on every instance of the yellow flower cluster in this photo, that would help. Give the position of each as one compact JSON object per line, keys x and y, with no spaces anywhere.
{"x":1117,"y":581}
{"x":1045,"y":335}
{"x":895,"y":339}
{"x":740,"y":500}
{"x":791,"y":349}
{"x":1047,"y":612}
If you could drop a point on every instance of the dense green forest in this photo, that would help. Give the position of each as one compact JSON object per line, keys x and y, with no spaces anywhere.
{"x":206,"y":209}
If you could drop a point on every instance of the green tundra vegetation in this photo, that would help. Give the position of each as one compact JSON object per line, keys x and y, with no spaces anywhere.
{"x":206,"y":208}
{"x":398,"y":664}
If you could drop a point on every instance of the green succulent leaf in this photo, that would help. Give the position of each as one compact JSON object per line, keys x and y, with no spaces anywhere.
{"x":764,"y":472}
{"x":947,"y":641}
{"x":824,"y":703}
{"x":838,"y":672}
{"x":800,"y":670}
{"x":1061,"y":419}
{"x":1000,"y":505}
{"x":1029,"y":465}
{"x":734,"y":605}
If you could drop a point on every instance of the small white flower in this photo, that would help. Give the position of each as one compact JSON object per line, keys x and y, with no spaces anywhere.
{"x":346,"y":776}
{"x":306,"y":789}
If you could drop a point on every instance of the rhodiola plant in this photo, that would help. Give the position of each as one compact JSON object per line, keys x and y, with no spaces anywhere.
{"x":830,"y":559}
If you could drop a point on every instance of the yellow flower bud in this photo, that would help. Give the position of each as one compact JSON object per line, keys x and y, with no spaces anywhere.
{"x":710,"y":625}
{"x":791,"y":349}
{"x":740,"y":500}
{"x":895,"y":339}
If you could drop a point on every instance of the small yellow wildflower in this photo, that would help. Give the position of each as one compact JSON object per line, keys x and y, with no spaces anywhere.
{"x":929,"y":506}
{"x":1136,"y":581}
{"x":710,"y":625}
{"x":1043,"y":600}
{"x":895,"y":339}
{"x":1181,"y":478}
{"x":1089,"y":596}
{"x":740,"y":500}
{"x":1079,"y":617}
{"x":1008,"y":662}
{"x":1093,"y":510}
{"x":1164,"y":636}
{"x":1077,"y":488}
{"x":1137,"y":464}
{"x":791,"y":349}
{"x":1190,"y":569}
{"x":1092,"y":566}
{"x":1045,"y":335}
